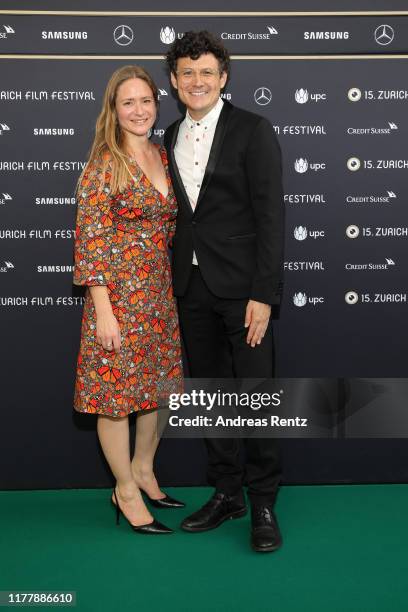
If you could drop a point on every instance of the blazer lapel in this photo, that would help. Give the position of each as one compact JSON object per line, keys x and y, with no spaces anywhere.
{"x":174,"y":166}
{"x":215,"y":148}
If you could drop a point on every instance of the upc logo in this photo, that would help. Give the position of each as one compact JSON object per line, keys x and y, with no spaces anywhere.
{"x":300,"y":299}
{"x":167,"y":35}
{"x":301,"y":165}
{"x":301,"y":96}
{"x":300,"y":233}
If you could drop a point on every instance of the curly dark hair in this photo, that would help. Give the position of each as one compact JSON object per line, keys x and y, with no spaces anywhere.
{"x":195,"y":44}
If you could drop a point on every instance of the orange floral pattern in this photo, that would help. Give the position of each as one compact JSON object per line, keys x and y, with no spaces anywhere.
{"x":121,"y":242}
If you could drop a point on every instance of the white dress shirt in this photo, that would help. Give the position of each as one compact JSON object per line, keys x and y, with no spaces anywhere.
{"x":192,"y":151}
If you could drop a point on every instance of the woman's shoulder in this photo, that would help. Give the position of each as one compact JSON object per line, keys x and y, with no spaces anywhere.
{"x":99,"y":165}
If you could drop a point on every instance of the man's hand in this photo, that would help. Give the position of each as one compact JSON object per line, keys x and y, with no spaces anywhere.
{"x":257,"y":319}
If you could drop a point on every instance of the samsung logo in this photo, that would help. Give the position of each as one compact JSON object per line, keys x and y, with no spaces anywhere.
{"x":53,"y":201}
{"x":64,"y":35}
{"x":326,"y":35}
{"x":55,"y":268}
{"x":53,"y":131}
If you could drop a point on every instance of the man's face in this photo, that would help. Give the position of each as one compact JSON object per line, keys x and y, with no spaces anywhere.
{"x":199,"y":83}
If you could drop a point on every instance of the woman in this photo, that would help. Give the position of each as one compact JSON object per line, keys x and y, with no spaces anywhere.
{"x":130,"y":347}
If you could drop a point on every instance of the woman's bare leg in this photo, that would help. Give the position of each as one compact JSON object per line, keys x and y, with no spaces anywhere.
{"x":113,"y":435}
{"x":146,"y":444}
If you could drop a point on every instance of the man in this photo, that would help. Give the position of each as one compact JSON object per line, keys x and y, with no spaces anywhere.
{"x":225,"y":165}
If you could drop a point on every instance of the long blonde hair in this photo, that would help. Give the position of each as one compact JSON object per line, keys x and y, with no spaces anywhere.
{"x":108,"y":142}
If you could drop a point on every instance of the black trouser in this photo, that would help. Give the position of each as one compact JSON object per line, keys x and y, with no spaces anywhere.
{"x":215,"y":340}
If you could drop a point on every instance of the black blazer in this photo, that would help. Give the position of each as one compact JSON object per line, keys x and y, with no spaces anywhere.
{"x":237,"y":227}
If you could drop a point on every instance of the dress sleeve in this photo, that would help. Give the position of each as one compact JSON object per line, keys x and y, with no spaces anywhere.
{"x":94,"y":229}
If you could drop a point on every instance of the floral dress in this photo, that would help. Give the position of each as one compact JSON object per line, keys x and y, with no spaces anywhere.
{"x":121,"y":242}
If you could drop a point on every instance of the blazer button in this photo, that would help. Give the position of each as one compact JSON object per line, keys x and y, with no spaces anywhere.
{"x":194,"y":223}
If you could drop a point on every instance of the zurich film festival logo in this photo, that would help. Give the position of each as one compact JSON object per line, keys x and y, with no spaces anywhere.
{"x":167,"y":35}
{"x":353,"y":164}
{"x":4,"y":128}
{"x":123,"y":35}
{"x":351,"y":298}
{"x":262,"y":96}
{"x":354,"y":94}
{"x":384,"y":34}
{"x":352,"y":231}
{"x":300,"y":232}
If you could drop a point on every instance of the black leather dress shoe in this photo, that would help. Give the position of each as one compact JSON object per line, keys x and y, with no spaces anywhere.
{"x":165,"y":502}
{"x":265,"y":534}
{"x":218,"y":509}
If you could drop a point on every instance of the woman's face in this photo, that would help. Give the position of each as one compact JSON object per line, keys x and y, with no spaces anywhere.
{"x":135,"y":107}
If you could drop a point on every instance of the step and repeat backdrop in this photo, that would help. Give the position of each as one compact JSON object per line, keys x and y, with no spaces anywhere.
{"x":336,"y":91}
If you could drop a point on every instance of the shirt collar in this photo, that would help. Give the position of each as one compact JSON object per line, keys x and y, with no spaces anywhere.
{"x":208,"y":119}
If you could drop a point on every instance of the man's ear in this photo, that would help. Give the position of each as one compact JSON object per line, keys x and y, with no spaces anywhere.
{"x":173,"y":80}
{"x":223,"y":79}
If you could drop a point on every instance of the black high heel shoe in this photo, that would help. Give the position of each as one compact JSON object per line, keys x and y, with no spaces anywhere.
{"x":165,"y":502}
{"x":153,"y":528}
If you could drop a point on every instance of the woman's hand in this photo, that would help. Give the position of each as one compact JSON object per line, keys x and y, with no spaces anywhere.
{"x":108,"y":332}
{"x":107,"y":326}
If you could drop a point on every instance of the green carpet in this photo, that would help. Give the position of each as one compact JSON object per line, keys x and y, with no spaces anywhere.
{"x":345,"y":549}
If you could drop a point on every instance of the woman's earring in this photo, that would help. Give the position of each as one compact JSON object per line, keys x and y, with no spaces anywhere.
{"x":149,"y":132}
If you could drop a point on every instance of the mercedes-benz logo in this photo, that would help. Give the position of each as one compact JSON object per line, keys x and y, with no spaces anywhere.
{"x":123,"y":35}
{"x":263,"y":96}
{"x":384,"y":34}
